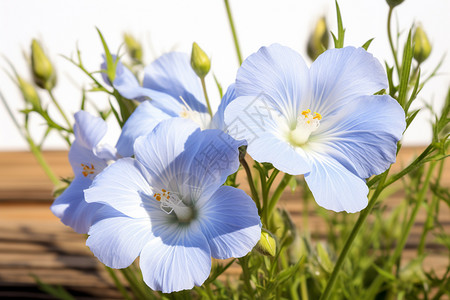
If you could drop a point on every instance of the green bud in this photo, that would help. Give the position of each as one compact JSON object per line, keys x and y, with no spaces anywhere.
{"x":134,"y":48}
{"x":267,"y":244}
{"x":200,"y":62}
{"x":422,"y":47}
{"x":318,"y":40}
{"x":394,"y":3}
{"x":29,"y":92}
{"x":42,"y":69}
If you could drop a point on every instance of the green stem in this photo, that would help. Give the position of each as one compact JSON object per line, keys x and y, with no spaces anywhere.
{"x":33,"y":147}
{"x":431,"y":209}
{"x":277,"y":194}
{"x":391,"y":43}
{"x":202,"y":79}
{"x":118,"y":284}
{"x":361,"y":219}
{"x":245,"y":273}
{"x":61,"y":111}
{"x":233,"y":31}
{"x":250,"y":181}
{"x":41,"y":160}
{"x":374,"y":288}
{"x":134,"y":285}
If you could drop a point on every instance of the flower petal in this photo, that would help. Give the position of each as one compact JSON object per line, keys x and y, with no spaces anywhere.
{"x":277,"y":72}
{"x":117,"y":240}
{"x":176,"y":260}
{"x":363,"y":137}
{"x":334,"y":187}
{"x":218,"y":118}
{"x":141,"y":122}
{"x":71,"y":207}
{"x":172,"y":74}
{"x":123,"y":186}
{"x":89,"y":130}
{"x":339,"y":75}
{"x":257,"y":121}
{"x":230,"y":222}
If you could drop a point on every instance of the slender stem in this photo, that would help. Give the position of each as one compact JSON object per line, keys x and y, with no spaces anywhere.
{"x":373,"y":289}
{"x":431,"y":209}
{"x":245,"y":272}
{"x":361,"y":219}
{"x":60,"y":110}
{"x":391,"y":43}
{"x":41,"y":160}
{"x":277,"y":194}
{"x":250,"y":181}
{"x":33,"y":147}
{"x":202,"y":79}
{"x":233,"y":31}
{"x":118,"y":284}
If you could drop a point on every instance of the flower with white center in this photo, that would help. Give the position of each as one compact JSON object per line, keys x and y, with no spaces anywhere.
{"x":174,"y":90}
{"x":88,"y":158}
{"x":171,"y":207}
{"x":324,"y":122}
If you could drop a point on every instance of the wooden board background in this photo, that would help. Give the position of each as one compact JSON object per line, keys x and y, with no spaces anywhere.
{"x":33,"y":242}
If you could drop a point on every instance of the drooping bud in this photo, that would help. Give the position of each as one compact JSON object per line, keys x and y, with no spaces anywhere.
{"x":267,"y":244}
{"x":134,"y":48}
{"x":43,"y":73}
{"x":200,"y":62}
{"x":422,"y":47}
{"x":318,"y":40}
{"x":394,"y":3}
{"x":29,"y":92}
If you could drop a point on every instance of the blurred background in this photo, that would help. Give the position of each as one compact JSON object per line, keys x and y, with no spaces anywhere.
{"x":161,"y":26}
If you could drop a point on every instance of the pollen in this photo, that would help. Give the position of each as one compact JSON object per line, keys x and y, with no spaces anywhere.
{"x":164,"y":194}
{"x":88,"y":169}
{"x":308,"y":115}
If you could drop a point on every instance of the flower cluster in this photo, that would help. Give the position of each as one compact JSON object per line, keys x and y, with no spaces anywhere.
{"x":160,"y":193}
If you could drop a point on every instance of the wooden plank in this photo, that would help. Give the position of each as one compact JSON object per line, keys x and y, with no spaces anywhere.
{"x":33,"y":241}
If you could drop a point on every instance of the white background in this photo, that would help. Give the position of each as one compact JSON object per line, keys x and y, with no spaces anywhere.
{"x":173,"y":25}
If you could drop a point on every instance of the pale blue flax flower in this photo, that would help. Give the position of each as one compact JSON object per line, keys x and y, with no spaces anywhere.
{"x":173,"y":90}
{"x":324,"y":121}
{"x":88,"y":158}
{"x":170,"y":206}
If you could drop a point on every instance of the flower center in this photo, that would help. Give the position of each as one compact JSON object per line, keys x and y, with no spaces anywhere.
{"x":170,"y":202}
{"x":307,"y":123}
{"x":202,"y":119}
{"x":88,"y":170}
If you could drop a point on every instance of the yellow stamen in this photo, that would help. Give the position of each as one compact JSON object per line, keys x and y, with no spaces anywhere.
{"x":87,"y":170}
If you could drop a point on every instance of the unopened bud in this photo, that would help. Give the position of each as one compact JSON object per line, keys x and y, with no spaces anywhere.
{"x":29,"y":92}
{"x":43,"y":73}
{"x":318,"y":40}
{"x":267,"y":244}
{"x":200,"y":62}
{"x":422,"y":47}
{"x":134,"y":48}
{"x":394,"y":3}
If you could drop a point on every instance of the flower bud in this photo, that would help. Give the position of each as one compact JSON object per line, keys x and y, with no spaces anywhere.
{"x":394,"y":3}
{"x":318,"y":40}
{"x":134,"y":48}
{"x":42,"y":69}
{"x":200,"y":62}
{"x":422,"y":47}
{"x":267,"y":244}
{"x":29,"y":92}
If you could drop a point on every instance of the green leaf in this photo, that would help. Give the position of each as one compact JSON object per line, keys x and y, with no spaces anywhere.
{"x":367,"y":44}
{"x":414,"y":93}
{"x":110,"y":63}
{"x":384,"y":273}
{"x":390,"y":72}
{"x":339,"y":42}
{"x":219,"y":86}
{"x":405,"y":70}
{"x":56,"y":291}
{"x":411,"y":117}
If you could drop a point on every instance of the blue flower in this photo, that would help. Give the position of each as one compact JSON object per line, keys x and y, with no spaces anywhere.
{"x":323,"y":122}
{"x":174,"y":90}
{"x":171,"y":207}
{"x":87,"y":158}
